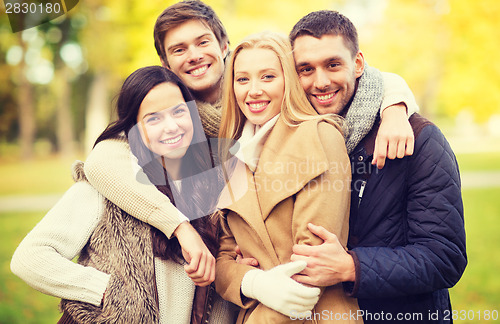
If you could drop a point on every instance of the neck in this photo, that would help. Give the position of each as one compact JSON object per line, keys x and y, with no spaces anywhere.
{"x":344,"y":111}
{"x":173,"y":167}
{"x":211,"y":95}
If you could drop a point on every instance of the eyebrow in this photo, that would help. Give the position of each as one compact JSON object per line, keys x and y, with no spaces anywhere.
{"x":325,"y":61}
{"x":170,"y":108}
{"x":260,"y":71}
{"x":182,"y":43}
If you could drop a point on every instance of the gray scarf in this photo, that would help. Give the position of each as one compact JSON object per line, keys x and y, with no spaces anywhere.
{"x":364,"y":108}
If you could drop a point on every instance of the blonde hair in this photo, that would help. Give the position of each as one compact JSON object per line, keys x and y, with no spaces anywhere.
{"x":295,"y":107}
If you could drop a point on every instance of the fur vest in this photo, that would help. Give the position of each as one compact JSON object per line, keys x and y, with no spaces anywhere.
{"x":122,"y":246}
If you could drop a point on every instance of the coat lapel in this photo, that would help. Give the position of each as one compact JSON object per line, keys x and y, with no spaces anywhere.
{"x":291,"y":157}
{"x":240,"y":196}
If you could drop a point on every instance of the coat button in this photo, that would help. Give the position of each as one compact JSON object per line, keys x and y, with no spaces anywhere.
{"x":360,"y":158}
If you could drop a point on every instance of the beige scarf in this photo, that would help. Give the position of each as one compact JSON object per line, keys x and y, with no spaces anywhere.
{"x":249,"y":146}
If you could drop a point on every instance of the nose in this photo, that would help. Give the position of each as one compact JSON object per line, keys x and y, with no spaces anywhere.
{"x":194,"y":54}
{"x":321,"y":80}
{"x":170,"y":125}
{"x":255,"y":90}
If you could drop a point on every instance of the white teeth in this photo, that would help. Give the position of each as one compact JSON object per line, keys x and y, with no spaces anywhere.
{"x":172,"y":140}
{"x":257,"y":105}
{"x":326,"y":97}
{"x":199,"y":71}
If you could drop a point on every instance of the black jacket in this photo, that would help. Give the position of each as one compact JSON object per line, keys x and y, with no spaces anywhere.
{"x":407,"y":234}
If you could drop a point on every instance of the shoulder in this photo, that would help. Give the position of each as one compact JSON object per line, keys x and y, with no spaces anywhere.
{"x":427,"y":134}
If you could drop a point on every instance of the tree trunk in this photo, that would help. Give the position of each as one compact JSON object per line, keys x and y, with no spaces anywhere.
{"x":65,"y":129}
{"x":97,"y":112}
{"x":26,"y":104}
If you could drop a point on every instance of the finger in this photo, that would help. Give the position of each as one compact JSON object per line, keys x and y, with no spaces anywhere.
{"x":193,"y":266}
{"x":292,"y":268}
{"x":211,"y":267}
{"x":375,"y":152}
{"x":401,"y":149}
{"x":301,"y":252}
{"x":304,"y":293}
{"x":303,"y":279}
{"x":248,"y":261}
{"x":322,"y":233}
{"x":380,"y":152}
{"x":410,"y":143}
{"x":392,"y":148}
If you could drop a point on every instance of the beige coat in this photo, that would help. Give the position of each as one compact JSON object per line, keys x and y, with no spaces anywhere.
{"x":303,"y":176}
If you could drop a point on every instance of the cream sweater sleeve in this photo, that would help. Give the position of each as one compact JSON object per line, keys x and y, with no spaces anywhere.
{"x":43,"y":259}
{"x":111,"y":169}
{"x":397,"y":91}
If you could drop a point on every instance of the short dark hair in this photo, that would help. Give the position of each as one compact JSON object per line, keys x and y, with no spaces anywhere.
{"x":181,"y":12}
{"x":327,"y":22}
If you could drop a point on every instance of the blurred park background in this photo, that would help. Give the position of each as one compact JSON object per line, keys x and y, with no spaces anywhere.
{"x":58,"y":82}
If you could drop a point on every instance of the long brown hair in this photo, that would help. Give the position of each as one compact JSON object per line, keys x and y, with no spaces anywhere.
{"x":198,"y":157}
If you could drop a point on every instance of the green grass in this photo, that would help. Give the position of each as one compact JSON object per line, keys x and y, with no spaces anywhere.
{"x":42,"y":176}
{"x":19,"y":303}
{"x":479,"y":161}
{"x":479,"y":288}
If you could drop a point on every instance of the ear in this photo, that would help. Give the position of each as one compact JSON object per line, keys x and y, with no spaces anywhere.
{"x":359,"y":64}
{"x":225,"y":49}
{"x":164,"y":64}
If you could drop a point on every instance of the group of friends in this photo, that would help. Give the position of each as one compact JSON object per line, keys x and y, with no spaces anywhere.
{"x":252,"y":186}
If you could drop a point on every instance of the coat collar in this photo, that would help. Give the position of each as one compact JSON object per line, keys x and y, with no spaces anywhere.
{"x":290,"y":158}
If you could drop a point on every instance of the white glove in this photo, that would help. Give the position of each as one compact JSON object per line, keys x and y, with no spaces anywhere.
{"x":275,"y":289}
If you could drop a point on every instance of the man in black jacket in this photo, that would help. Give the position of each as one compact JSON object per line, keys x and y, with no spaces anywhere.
{"x":407,"y":238}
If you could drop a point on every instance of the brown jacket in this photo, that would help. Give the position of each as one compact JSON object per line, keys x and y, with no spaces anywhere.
{"x":303,"y":176}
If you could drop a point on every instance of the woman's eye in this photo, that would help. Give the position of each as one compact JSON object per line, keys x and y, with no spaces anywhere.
{"x":152,"y":119}
{"x":268,"y":77}
{"x":241,"y":80}
{"x":179,"y":111}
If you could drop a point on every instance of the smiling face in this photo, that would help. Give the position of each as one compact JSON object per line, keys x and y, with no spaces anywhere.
{"x":327,"y":71}
{"x":259,"y":84}
{"x":165,"y":122}
{"x":195,"y":55}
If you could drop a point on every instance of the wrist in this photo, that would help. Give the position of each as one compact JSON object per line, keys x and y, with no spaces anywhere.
{"x":395,"y":110}
{"x":350,"y":272}
{"x":182,"y":228}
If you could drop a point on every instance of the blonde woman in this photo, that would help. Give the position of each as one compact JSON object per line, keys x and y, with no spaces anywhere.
{"x":294,"y":169}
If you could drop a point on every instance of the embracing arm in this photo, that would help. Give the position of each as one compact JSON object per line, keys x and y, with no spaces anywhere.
{"x":434,"y":257}
{"x":325,"y":200}
{"x":43,"y":258}
{"x":110,"y":169}
{"x":395,"y":137}
{"x":230,"y":273}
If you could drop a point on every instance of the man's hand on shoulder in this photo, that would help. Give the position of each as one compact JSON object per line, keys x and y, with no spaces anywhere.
{"x":395,"y":136}
{"x":327,"y":264}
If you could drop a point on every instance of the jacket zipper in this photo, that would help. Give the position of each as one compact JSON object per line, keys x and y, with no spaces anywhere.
{"x":361,"y":191}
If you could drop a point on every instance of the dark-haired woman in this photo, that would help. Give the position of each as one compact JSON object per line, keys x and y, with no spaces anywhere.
{"x":129,"y":271}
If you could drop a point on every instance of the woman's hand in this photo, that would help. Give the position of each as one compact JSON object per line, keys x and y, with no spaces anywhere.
{"x":201,"y":263}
